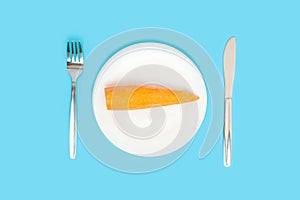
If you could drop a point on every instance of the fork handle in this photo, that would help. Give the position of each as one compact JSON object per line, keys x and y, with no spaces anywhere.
{"x":73,"y":127}
{"x":227,"y":143}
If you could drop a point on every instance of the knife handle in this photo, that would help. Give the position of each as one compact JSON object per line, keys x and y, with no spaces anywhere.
{"x":227,"y":143}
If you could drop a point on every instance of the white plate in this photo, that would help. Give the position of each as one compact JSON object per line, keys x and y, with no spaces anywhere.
{"x":150,"y":63}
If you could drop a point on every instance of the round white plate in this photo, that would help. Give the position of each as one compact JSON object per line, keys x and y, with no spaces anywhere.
{"x":154,"y":131}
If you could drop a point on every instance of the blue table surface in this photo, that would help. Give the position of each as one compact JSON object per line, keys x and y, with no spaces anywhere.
{"x":35,"y":95}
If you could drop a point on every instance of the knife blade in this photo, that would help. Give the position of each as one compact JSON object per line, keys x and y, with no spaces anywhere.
{"x":229,"y":62}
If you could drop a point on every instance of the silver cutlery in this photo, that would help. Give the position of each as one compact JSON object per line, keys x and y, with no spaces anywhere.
{"x":229,"y":61}
{"x":74,"y":67}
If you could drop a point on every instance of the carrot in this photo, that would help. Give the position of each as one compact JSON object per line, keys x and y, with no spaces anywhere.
{"x":139,"y":97}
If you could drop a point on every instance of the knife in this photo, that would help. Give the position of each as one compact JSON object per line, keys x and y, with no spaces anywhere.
{"x":229,"y":59}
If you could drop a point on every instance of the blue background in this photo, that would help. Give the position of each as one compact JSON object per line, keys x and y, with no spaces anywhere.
{"x":35,"y":94}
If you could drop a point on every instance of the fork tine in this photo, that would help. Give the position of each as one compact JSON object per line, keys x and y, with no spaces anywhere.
{"x":68,"y":52}
{"x":80,"y":50}
{"x":72,"y":50}
{"x":76,"y":52}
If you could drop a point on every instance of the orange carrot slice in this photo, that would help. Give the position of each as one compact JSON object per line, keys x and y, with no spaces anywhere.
{"x":139,"y":97}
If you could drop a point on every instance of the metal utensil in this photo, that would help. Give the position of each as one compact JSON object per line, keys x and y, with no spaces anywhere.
{"x":229,"y":59}
{"x":74,"y":67}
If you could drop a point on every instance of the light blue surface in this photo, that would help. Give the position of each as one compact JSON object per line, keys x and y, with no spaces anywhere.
{"x":35,"y":98}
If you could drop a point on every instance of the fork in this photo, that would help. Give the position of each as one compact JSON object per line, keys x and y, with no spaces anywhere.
{"x":74,"y":67}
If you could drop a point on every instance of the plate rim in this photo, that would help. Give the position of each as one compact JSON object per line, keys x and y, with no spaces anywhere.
{"x":99,"y":147}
